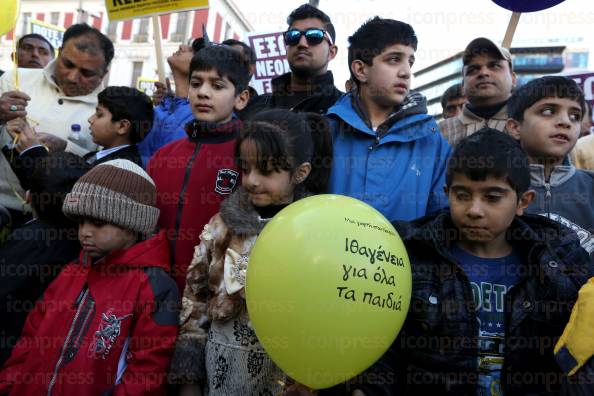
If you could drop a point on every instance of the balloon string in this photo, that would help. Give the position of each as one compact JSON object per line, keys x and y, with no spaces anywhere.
{"x":16,"y":63}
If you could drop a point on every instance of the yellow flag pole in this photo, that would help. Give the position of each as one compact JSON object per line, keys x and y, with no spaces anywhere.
{"x":511,"y":30}
{"x":158,"y":48}
{"x":15,"y":59}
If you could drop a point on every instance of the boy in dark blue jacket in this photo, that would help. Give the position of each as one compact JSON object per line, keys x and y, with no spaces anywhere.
{"x":492,"y":287}
{"x":388,"y":151}
{"x":546,"y":116}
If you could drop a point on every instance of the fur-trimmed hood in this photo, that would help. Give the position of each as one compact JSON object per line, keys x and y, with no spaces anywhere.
{"x":240,"y":215}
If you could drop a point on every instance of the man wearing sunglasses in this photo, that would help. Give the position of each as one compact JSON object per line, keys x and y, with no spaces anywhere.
{"x":310,"y":85}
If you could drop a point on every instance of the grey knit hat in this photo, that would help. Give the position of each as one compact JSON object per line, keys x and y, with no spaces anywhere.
{"x":118,"y":192}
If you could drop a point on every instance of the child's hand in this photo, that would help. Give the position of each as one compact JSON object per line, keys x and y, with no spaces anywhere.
{"x":26,"y":135}
{"x":52,"y":142}
{"x":161,"y":91}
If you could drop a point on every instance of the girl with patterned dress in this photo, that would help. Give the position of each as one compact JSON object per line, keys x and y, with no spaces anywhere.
{"x":283,"y":157}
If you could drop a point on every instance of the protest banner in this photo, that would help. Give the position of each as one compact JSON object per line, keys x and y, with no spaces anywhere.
{"x":54,"y":34}
{"x":129,"y":9}
{"x":271,"y":59}
{"x":146,"y":85}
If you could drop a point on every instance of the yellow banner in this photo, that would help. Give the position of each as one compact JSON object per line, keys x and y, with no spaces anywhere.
{"x":146,"y":85}
{"x":128,"y":9}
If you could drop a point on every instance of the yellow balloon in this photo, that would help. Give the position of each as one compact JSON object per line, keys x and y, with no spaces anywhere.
{"x":328,"y":288}
{"x":9,"y":15}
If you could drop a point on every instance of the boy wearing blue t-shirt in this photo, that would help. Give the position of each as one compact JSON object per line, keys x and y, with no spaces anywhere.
{"x":492,"y":287}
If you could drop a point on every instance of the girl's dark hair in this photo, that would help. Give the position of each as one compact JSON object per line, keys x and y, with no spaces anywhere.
{"x":284,"y":140}
{"x":53,"y":178}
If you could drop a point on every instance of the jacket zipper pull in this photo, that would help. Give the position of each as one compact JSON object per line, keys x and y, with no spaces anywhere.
{"x":547,"y":199}
{"x":548,"y":193}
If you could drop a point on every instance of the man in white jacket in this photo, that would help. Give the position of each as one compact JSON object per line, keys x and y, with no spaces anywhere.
{"x":54,"y":100}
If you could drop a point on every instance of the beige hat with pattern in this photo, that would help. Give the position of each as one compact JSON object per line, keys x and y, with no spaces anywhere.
{"x":118,"y":192}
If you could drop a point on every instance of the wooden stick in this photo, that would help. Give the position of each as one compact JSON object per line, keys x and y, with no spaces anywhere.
{"x":511,"y":30}
{"x":15,"y":59}
{"x":158,"y":49}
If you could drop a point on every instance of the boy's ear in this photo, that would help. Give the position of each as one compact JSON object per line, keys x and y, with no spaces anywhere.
{"x":123,"y":127}
{"x":513,"y":127}
{"x":514,"y":79}
{"x":359,"y":70}
{"x":301,"y":173}
{"x":242,"y":100}
{"x":524,"y":201}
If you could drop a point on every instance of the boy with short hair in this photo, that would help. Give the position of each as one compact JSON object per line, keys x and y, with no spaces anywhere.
{"x":545,"y":115}
{"x":122,"y":118}
{"x":193,"y":175}
{"x":388,"y":151}
{"x":109,"y":320}
{"x":492,"y":288}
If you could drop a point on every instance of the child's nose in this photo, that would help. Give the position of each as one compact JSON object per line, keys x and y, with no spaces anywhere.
{"x":475,"y":209}
{"x":563,"y":119}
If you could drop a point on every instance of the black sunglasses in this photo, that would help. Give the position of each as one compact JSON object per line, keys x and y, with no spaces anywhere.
{"x":313,"y":36}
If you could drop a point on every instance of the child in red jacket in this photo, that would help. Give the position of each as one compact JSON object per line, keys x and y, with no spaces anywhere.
{"x":194,"y":174}
{"x":108,"y":323}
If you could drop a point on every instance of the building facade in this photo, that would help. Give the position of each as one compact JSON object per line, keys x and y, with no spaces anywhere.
{"x":133,"y":39}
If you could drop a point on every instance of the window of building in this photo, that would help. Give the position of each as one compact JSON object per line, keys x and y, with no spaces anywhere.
{"x":54,"y":18}
{"x":181,"y":27}
{"x":26,"y":18}
{"x":136,"y":73}
{"x":228,"y":31}
{"x":576,"y":60}
{"x":143,"y":31}
{"x":112,"y":30}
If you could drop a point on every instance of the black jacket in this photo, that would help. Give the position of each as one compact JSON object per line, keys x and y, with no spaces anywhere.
{"x":128,"y":153}
{"x":436,"y":351}
{"x":31,"y":258}
{"x":23,"y":165}
{"x":319,"y":100}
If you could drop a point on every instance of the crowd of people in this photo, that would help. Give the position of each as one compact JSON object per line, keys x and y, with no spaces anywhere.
{"x":128,"y":221}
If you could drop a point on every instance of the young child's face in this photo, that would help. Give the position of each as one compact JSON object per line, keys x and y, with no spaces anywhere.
{"x":549,"y":130}
{"x":104,"y":131}
{"x":212,"y":97}
{"x":263,"y":188}
{"x":482,"y":211}
{"x":387,"y":80}
{"x":99,"y":239}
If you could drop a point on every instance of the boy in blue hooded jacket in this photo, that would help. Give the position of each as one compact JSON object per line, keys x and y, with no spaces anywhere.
{"x":388,"y":151}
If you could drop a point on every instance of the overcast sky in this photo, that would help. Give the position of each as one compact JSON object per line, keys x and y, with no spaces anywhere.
{"x":443,"y":27}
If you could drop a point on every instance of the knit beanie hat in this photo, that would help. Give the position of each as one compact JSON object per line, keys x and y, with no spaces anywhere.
{"x":118,"y":192}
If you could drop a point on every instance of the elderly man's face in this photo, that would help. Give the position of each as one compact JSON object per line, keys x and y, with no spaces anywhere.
{"x":78,"y":72}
